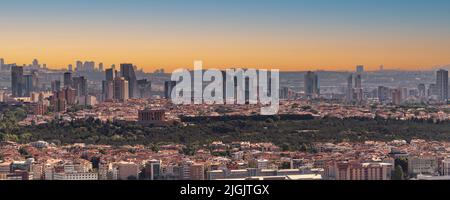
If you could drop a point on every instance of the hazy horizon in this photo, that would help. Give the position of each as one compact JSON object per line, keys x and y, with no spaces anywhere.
{"x":205,"y":67}
{"x":288,"y":35}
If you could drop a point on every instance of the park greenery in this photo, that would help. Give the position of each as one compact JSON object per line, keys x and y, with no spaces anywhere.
{"x":286,"y":132}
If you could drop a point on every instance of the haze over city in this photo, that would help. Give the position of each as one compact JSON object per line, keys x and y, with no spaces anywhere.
{"x":268,"y":90}
{"x":288,"y":35}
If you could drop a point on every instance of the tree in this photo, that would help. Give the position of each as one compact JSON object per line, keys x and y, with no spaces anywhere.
{"x":95,"y":162}
{"x":285,"y":165}
{"x":398,"y":173}
{"x":24,"y":152}
{"x":403,"y":163}
{"x":154,"y":148}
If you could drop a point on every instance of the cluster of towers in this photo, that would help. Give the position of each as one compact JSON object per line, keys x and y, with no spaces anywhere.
{"x":124,"y":85}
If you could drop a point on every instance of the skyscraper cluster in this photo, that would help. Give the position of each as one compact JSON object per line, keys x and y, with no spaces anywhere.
{"x":4,"y":66}
{"x":74,"y":91}
{"x":87,"y":66}
{"x":62,"y":98}
{"x":125,"y":86}
{"x":437,"y":91}
{"x":127,"y":72}
{"x":23,"y":84}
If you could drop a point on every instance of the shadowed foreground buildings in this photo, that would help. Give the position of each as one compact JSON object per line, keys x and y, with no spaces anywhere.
{"x":247,"y":161}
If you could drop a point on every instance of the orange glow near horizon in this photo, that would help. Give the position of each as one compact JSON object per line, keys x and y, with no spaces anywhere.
{"x":286,"y":35}
{"x":309,"y":51}
{"x":151,"y":59}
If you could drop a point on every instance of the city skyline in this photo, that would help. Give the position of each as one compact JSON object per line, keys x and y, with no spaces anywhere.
{"x":100,"y":67}
{"x":288,"y":35}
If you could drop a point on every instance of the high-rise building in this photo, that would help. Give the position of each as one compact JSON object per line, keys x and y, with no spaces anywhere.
{"x":396,"y":96}
{"x":28,"y":86}
{"x":80,"y":85}
{"x":56,"y":85}
{"x":442,"y":84}
{"x":67,"y":79}
{"x":127,"y":71}
{"x":109,"y":74}
{"x":144,"y":88}
{"x":121,"y":89}
{"x":168,"y":87}
{"x":358,"y":81}
{"x":35,"y":64}
{"x":69,"y":68}
{"x":100,"y":67}
{"x":360,"y":69}
{"x":108,"y":90}
{"x":383,"y":93}
{"x":404,"y":92}
{"x":2,"y":62}
{"x":349,"y":95}
{"x":230,"y":93}
{"x":108,"y":85}
{"x":58,"y":100}
{"x":422,"y":90}
{"x":413,"y":93}
{"x":433,"y":90}
{"x":17,"y":81}
{"x":66,"y":96}
{"x":285,"y":93}
{"x":311,"y":85}
{"x":79,"y":66}
{"x":70,"y":95}
{"x":89,"y":66}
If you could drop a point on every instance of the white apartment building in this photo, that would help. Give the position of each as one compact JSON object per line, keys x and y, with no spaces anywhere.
{"x":76,"y":176}
{"x":263,"y":164}
{"x":422,"y":165}
{"x":446,"y":167}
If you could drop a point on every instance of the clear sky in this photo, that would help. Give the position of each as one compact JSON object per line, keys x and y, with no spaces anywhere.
{"x":283,"y":34}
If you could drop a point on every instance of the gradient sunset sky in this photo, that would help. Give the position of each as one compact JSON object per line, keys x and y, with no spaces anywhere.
{"x":282,"y":34}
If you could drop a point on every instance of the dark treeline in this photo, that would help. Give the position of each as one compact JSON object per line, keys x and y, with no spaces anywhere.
{"x":226,"y":118}
{"x":290,"y":134}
